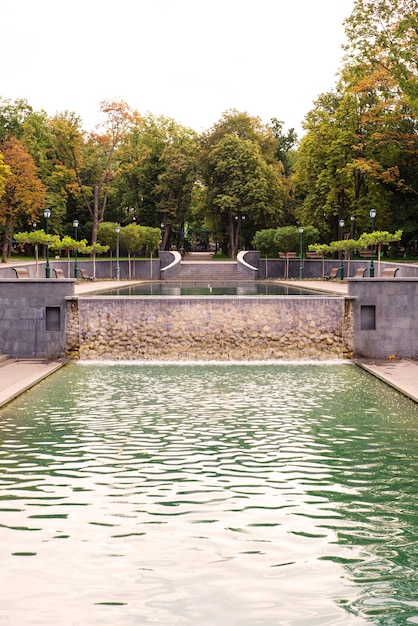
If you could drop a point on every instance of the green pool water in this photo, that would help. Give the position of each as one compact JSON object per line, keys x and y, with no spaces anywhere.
{"x":254,"y":288}
{"x":234,"y":494}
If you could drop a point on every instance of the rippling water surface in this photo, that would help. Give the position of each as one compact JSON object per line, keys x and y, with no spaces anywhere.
{"x":223,"y":495}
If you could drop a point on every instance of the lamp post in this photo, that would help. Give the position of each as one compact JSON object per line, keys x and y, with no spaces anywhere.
{"x":373,"y":214}
{"x":352,"y":230}
{"x":341,"y":225}
{"x":117,"y":231}
{"x":47,"y":215}
{"x":353,"y":226}
{"x":35,"y":247}
{"x":75,"y":224}
{"x":300,"y":253}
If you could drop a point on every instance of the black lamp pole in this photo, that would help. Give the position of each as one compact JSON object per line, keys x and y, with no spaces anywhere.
{"x":47,"y":215}
{"x":117,"y":231}
{"x":75,"y":224}
{"x":301,"y":253}
{"x":373,"y":214}
{"x":341,"y":224}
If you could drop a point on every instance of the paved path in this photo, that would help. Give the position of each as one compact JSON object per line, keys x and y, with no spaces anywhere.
{"x":401,"y":374}
{"x":198,"y":257}
{"x":102,"y":285}
{"x":330,"y":286}
{"x":16,"y":376}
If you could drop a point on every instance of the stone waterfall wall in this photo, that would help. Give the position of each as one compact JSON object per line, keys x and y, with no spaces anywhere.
{"x":209,"y":328}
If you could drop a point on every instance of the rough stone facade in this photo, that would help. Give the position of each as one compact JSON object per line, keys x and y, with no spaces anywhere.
{"x":205,"y":328}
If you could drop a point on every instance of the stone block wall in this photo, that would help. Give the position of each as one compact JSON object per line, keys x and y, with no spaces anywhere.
{"x":209,"y":328}
{"x":33,"y":317}
{"x":385,"y":319}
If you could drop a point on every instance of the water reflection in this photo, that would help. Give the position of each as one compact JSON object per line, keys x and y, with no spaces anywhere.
{"x":253,"y":288}
{"x":250,"y":495}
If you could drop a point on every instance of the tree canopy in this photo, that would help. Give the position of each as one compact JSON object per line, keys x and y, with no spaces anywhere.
{"x":359,"y":151}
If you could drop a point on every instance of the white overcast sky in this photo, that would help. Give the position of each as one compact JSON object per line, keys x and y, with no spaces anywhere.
{"x":190,"y":60}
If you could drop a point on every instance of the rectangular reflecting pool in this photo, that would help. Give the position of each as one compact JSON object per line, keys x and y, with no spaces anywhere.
{"x":234,"y":494}
{"x":253,"y":288}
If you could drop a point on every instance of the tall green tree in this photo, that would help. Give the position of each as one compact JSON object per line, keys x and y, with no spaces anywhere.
{"x":12,"y":117}
{"x":92,"y":159}
{"x":156,"y":171}
{"x":286,"y":145}
{"x":360,"y":150}
{"x":243,"y":177}
{"x":383,"y":35}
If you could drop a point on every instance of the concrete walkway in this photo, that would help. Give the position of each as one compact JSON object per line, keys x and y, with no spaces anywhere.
{"x":329,"y":286}
{"x":102,"y":285}
{"x":16,"y":376}
{"x":401,"y":374}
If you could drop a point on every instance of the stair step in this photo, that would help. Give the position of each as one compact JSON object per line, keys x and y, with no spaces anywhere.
{"x":211,"y":271}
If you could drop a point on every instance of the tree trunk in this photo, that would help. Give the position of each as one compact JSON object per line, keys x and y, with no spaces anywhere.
{"x":233,"y":236}
{"x":6,"y":241}
{"x":166,"y":234}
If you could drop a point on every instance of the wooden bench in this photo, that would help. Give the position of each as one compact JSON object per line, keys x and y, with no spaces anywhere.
{"x":288,"y":255}
{"x":21,"y":272}
{"x":365,"y":254}
{"x":390,"y":272}
{"x":360,"y":272}
{"x":84,"y":274}
{"x":333,"y":274}
{"x":314,"y":255}
{"x":58,"y":273}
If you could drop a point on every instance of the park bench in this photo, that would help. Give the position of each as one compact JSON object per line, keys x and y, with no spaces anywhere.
{"x":390,"y":272}
{"x":58,"y":273}
{"x":288,"y":255}
{"x":333,"y":274}
{"x":85,"y":275}
{"x":360,"y":272}
{"x":21,"y":272}
{"x":365,"y":254}
{"x":314,"y":255}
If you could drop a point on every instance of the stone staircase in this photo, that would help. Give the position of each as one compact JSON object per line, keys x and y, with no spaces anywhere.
{"x":209,"y":272}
